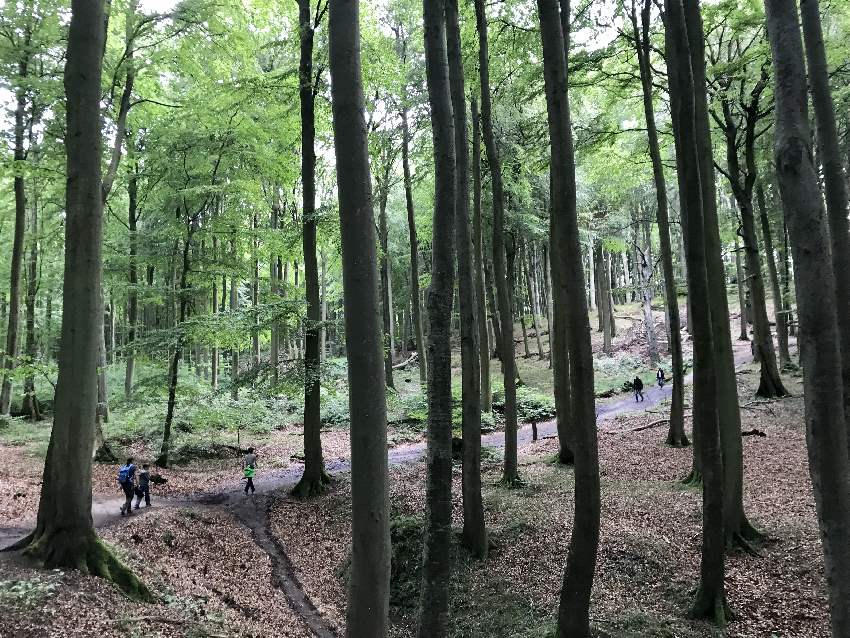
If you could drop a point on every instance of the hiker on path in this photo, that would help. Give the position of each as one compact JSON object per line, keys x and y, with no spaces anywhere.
{"x":660,"y":376}
{"x":637,"y":384}
{"x":144,"y":487}
{"x":249,"y":463}
{"x":127,"y":481}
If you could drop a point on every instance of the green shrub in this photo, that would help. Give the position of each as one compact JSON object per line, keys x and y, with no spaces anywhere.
{"x":27,"y":594}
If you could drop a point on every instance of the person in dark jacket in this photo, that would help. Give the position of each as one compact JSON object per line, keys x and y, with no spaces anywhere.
{"x":661,"y":378}
{"x":127,"y":481}
{"x":637,"y":384}
{"x":143,"y":489}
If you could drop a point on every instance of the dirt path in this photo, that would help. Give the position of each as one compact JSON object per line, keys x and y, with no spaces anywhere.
{"x":253,"y":511}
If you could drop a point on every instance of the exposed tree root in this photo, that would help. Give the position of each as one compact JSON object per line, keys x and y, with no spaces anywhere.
{"x":58,"y":548}
{"x":564,"y":457}
{"x":745,"y":538}
{"x":311,"y":487}
{"x":712,"y":608}
{"x":677,"y":440}
{"x":694,"y":479}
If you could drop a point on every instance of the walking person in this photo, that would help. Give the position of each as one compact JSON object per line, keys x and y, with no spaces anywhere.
{"x":127,"y":481}
{"x":249,"y":463}
{"x":660,"y":376}
{"x":143,"y":489}
{"x":637,"y":384}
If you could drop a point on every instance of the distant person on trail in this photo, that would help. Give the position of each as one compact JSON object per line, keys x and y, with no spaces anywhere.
{"x":144,"y":487}
{"x":249,"y":463}
{"x":660,"y":376}
{"x":127,"y":481}
{"x":637,"y":384}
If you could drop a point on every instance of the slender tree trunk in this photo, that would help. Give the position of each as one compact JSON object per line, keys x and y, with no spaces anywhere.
{"x":64,"y":534}
{"x":436,"y":560}
{"x":535,"y":322}
{"x":386,"y":305}
{"x":644,"y":272}
{"x":255,"y":296}
{"x":414,"y":249}
{"x":605,"y":305}
{"x":474,"y":529}
{"x":133,"y":277}
{"x":17,"y":247}
{"x":323,"y":331}
{"x":314,"y":478}
{"x":274,"y":276}
{"x":710,"y":599}
{"x":569,"y":299}
{"x":742,"y":294}
{"x":548,"y":285}
{"x":368,"y":592}
{"x":494,"y":309}
{"x":214,"y":355}
{"x":736,"y":525}
{"x":510,"y":474}
{"x":29,"y":404}
{"x":829,"y":155}
{"x":478,"y":265}
{"x":778,"y":304}
{"x":820,"y":350}
{"x":234,"y":356}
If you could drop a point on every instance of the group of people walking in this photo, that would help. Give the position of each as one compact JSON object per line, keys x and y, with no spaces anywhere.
{"x":134,"y":482}
{"x":637,"y":384}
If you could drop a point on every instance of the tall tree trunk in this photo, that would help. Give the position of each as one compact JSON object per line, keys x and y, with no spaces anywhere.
{"x":548,"y":285}
{"x":644,"y":272}
{"x":132,"y":276}
{"x":742,"y":292}
{"x":478,"y":265}
{"x":368,"y":592}
{"x":234,"y":306}
{"x":17,"y":245}
{"x":820,"y":349}
{"x":569,"y":299}
{"x":314,"y":478}
{"x":605,"y":301}
{"x":164,"y":459}
{"x":323,"y":331}
{"x":474,"y":529}
{"x":386,"y":305}
{"x":274,"y":276}
{"x":414,"y":249}
{"x":102,"y":391}
{"x":214,"y":354}
{"x":506,"y":324}
{"x":436,"y":559}
{"x":255,"y":295}
{"x":489,"y":287}
{"x":778,"y":304}
{"x":736,"y":525}
{"x":29,"y":404}
{"x":710,"y":601}
{"x":64,"y":534}
{"x":535,"y":321}
{"x":829,"y":155}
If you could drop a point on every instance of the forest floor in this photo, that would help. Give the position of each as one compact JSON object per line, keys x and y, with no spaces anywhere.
{"x":226,"y":565}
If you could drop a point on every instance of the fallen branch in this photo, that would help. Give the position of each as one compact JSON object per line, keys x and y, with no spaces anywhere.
{"x":404,"y":363}
{"x":654,"y":424}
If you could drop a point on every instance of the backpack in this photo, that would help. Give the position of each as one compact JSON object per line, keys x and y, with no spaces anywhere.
{"x":125,"y":473}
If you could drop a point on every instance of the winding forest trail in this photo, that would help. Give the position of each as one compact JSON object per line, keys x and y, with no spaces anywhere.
{"x":253,"y":511}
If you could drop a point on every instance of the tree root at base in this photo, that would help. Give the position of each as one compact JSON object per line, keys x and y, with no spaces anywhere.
{"x":715,"y":609}
{"x":89,"y":555}
{"x":311,"y":487}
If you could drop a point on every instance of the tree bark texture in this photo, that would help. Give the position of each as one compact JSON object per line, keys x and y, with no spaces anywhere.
{"x":820,"y":349}
{"x":478,"y":265}
{"x":368,"y":592}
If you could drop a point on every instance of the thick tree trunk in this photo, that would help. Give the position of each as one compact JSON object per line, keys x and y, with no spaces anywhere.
{"x":778,"y":304}
{"x":736,"y":525}
{"x":474,"y":529}
{"x":829,"y":156}
{"x":568,"y":291}
{"x":710,"y":599}
{"x":368,"y":591}
{"x":817,"y":304}
{"x":478,"y":265}
{"x":414,"y":249}
{"x":314,"y":478}
{"x":506,"y":324}
{"x":436,"y":559}
{"x":64,"y":534}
